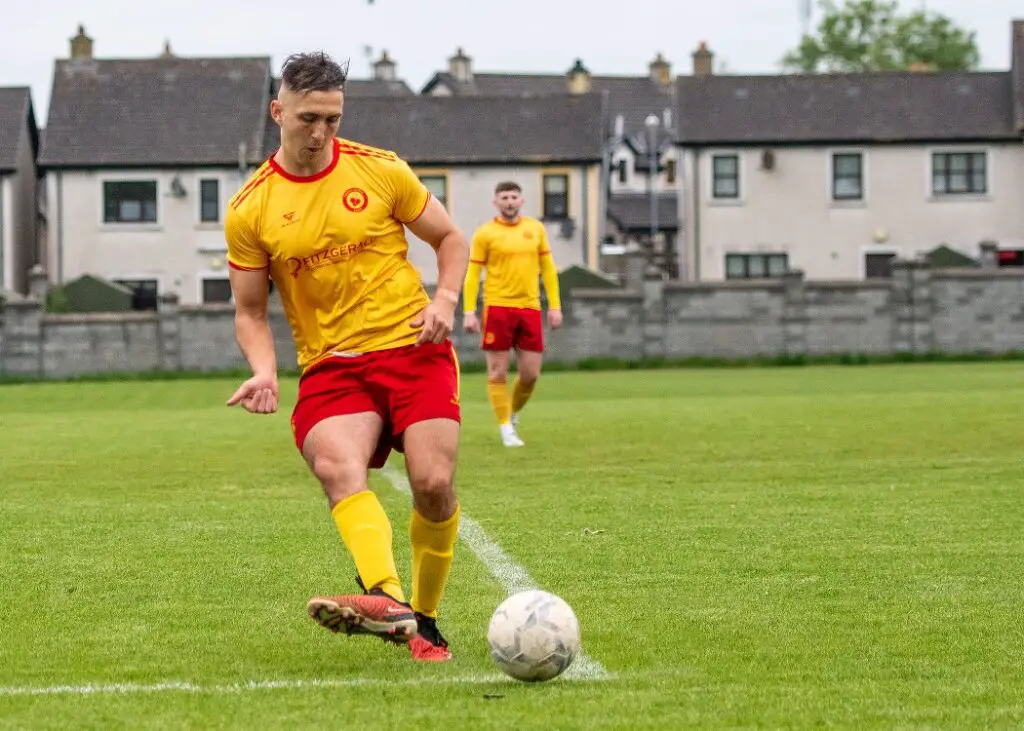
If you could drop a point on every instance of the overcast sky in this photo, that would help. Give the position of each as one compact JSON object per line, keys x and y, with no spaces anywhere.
{"x":748,"y":36}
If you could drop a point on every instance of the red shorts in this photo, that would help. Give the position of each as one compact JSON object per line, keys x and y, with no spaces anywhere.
{"x":403,"y":385}
{"x":512,"y":327}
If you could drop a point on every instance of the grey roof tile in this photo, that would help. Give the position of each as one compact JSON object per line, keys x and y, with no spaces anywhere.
{"x":15,"y":113}
{"x":632,"y":211}
{"x":476,"y":129}
{"x":873,"y":107}
{"x":160,"y":111}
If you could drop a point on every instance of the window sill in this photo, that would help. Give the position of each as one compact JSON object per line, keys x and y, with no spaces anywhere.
{"x":725,"y":202}
{"x":960,"y":198}
{"x":130,"y":227}
{"x":851,"y":203}
{"x":210,"y":226}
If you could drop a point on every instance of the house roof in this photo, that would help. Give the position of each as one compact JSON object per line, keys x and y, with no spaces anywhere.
{"x":632,"y":211}
{"x":15,"y":113}
{"x":634,"y":97}
{"x":158,"y":111}
{"x":863,"y":107}
{"x":563,"y":128}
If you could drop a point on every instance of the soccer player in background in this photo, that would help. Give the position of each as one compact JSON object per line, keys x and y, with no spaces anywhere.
{"x":323,"y":219}
{"x":513,"y":250}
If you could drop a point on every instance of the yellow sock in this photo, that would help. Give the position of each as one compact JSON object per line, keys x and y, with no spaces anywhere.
{"x":366,"y":531}
{"x":498,"y":393}
{"x":433,"y":547}
{"x":521,"y":394}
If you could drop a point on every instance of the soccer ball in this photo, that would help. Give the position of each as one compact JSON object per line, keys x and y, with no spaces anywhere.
{"x":533,"y":636}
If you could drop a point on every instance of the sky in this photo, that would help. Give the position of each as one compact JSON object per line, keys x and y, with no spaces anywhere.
{"x":540,"y":36}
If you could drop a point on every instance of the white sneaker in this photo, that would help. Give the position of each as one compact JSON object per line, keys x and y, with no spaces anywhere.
{"x":509,"y":437}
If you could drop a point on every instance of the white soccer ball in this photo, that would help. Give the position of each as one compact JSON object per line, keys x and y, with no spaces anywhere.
{"x":534,"y":635}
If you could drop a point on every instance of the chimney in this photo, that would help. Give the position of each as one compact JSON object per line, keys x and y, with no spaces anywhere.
{"x":384,"y":68}
{"x":459,"y":67}
{"x":579,"y":78}
{"x":661,"y":71}
{"x":167,"y":50}
{"x":703,"y":61}
{"x":920,"y":67}
{"x":81,"y":45}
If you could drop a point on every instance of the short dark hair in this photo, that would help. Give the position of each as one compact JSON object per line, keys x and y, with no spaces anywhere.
{"x":507,"y":185}
{"x":304,"y":72}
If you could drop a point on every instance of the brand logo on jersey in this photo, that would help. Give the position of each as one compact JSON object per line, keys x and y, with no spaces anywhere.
{"x":355,"y":199}
{"x":289,"y":218}
{"x":325,"y":257}
{"x":528,"y":235}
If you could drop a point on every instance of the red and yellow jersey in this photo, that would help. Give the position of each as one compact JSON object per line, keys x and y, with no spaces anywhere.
{"x":516,"y":256}
{"x":334,"y":244}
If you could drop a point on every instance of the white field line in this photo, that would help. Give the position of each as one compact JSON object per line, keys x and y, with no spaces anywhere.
{"x":253,"y":685}
{"x":512,"y":577}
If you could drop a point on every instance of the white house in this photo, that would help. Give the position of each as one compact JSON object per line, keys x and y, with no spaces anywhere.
{"x":836,"y":174}
{"x":19,"y":145}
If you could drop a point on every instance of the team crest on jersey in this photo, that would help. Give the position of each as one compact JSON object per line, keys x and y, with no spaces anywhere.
{"x":528,"y":235}
{"x":355,"y":199}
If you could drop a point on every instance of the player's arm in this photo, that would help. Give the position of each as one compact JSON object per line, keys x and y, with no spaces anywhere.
{"x":436,"y":227}
{"x":549,"y":278}
{"x":471,"y":288}
{"x":428,"y":220}
{"x":248,"y":273}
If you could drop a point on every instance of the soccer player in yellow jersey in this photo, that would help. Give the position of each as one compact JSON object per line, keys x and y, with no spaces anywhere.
{"x":513,"y":250}
{"x":325,"y":218}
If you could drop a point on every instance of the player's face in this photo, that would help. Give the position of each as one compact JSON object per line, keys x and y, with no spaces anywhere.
{"x":308,"y":122}
{"x":508,"y":203}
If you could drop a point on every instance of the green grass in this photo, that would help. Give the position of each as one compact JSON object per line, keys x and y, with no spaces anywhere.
{"x":788,"y":547}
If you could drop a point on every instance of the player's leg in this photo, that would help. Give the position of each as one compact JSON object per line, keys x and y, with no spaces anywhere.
{"x":424,"y":387}
{"x":430,"y":453}
{"x":528,"y":364}
{"x":338,"y":447}
{"x":529,"y":356}
{"x":498,"y":333}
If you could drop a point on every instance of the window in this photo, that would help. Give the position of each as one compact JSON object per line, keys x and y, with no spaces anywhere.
{"x":129,"y":201}
{"x":878,"y":266}
{"x":556,"y":196}
{"x":756,"y":266}
{"x":959,"y":173}
{"x":847,"y":176}
{"x":438,"y":187}
{"x":725,"y":176}
{"x":144,"y":292}
{"x":216,"y":290}
{"x":209,"y":201}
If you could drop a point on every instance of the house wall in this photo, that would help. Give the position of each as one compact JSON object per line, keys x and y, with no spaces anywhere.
{"x":176,"y":251}
{"x":789,"y":208}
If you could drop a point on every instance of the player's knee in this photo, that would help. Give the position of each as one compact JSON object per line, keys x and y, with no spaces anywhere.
{"x":339,"y":477}
{"x":497,"y":371}
{"x":434,"y":493}
{"x":529,"y":376}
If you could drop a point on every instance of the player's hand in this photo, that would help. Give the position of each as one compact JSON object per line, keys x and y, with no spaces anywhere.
{"x":555,"y":319}
{"x":258,"y":395}
{"x":470,"y":323}
{"x":437,"y":321}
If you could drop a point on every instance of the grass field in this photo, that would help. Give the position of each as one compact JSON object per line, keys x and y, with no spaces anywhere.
{"x":797,"y":548}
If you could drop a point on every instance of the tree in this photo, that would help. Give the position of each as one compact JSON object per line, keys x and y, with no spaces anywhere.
{"x":869,"y":35}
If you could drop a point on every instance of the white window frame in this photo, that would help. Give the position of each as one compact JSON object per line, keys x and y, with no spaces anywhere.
{"x":207,"y":275}
{"x":130,"y":176}
{"x":741,"y":172}
{"x":934,"y":197}
{"x":219,"y":223}
{"x":830,"y":182}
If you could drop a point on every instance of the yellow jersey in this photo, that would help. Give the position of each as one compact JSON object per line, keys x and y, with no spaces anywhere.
{"x":516,"y":257}
{"x":334,"y":245}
